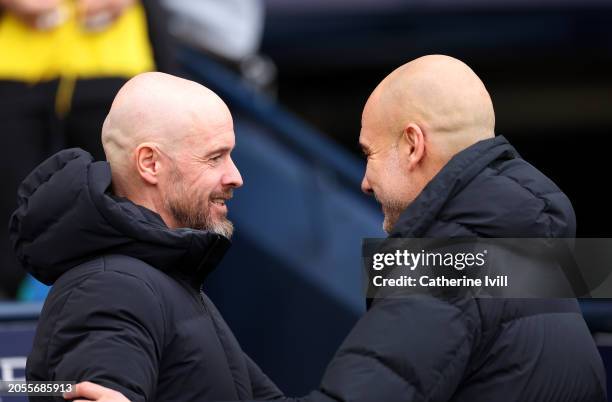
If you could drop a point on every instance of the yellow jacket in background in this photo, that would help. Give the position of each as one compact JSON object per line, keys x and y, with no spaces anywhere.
{"x":70,"y":51}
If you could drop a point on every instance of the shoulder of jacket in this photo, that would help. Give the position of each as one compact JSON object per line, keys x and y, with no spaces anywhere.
{"x":135,"y":267}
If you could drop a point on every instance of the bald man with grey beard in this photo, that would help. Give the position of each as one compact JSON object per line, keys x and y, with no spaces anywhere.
{"x":127,"y":245}
{"x":155,"y":137}
{"x":438,"y":171}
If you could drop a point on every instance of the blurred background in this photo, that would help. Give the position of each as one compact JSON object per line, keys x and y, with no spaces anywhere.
{"x":296,"y":74}
{"x":546,"y":64}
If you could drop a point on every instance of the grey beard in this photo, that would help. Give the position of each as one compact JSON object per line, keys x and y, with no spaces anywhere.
{"x":198,"y":218}
{"x":195,"y":215}
{"x":224,"y":228}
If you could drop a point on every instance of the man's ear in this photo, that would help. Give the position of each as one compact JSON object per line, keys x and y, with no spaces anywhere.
{"x":148,"y":162}
{"x":412,"y":145}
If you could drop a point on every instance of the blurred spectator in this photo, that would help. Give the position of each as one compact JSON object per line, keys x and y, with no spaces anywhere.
{"x":228,"y":30}
{"x":61,"y":66}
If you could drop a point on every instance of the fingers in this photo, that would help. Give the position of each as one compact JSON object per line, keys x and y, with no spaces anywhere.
{"x":89,"y":8}
{"x":96,"y":15}
{"x":87,"y":390}
{"x":33,"y":11}
{"x":94,"y":392}
{"x":31,"y":7}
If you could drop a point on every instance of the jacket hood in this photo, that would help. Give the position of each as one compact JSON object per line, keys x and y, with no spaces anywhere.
{"x":488,"y":190}
{"x":66,"y":215}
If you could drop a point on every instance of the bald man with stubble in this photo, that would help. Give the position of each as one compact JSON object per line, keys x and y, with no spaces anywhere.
{"x":438,"y":171}
{"x":127,"y":244}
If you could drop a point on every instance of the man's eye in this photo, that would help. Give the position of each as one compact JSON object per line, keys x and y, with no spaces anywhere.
{"x":216,"y":158}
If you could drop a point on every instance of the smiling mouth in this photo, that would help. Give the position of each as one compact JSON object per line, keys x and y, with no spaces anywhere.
{"x":221,"y":198}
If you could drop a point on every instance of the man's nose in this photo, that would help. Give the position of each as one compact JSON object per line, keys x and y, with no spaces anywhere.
{"x":365,"y":185}
{"x":233,"y":177}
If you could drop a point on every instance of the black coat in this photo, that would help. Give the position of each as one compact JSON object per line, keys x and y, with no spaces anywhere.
{"x":126,"y":310}
{"x":423,"y":348}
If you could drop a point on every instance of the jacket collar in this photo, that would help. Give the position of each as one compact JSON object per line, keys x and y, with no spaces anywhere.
{"x":67,"y":216}
{"x":450,"y":180}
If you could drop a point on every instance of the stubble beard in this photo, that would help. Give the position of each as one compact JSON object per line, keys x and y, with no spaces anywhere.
{"x":196,"y":213}
{"x":392,"y":210}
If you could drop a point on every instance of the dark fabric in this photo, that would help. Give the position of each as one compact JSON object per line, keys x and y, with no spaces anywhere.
{"x":425,"y":348}
{"x":30,"y":131}
{"x":126,"y":309}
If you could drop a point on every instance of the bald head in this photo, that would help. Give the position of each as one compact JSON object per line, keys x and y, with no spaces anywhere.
{"x":168,"y":141}
{"x":440,"y":94}
{"x":162,"y":109}
{"x":415,"y":121}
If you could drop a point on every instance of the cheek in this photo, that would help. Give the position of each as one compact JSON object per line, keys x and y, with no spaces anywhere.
{"x":393,"y":183}
{"x":203,"y":185}
{"x":210,"y":188}
{"x":376,"y":171}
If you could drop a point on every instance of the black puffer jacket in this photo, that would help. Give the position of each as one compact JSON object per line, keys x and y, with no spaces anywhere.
{"x":423,"y":348}
{"x":126,"y":309}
